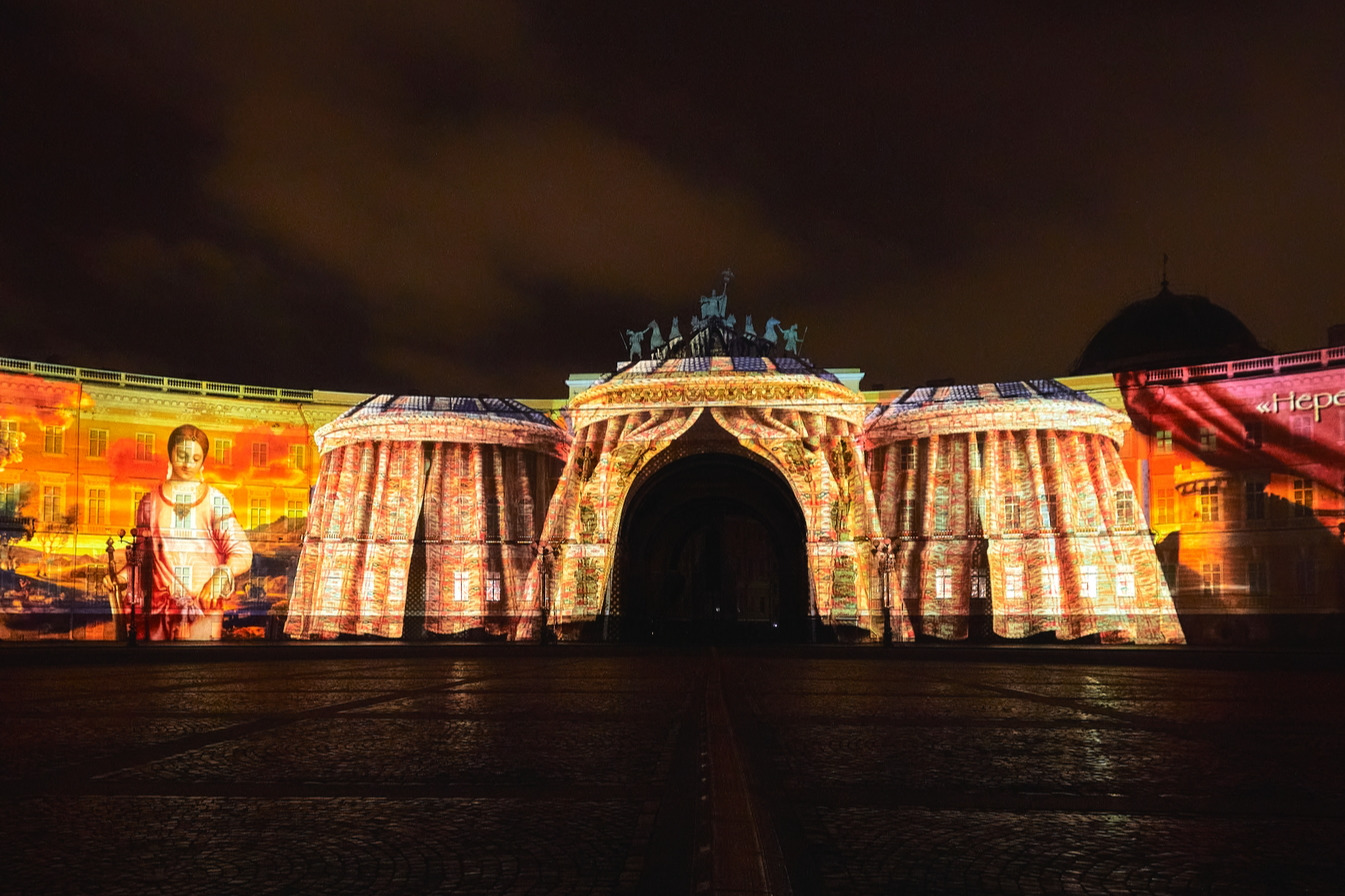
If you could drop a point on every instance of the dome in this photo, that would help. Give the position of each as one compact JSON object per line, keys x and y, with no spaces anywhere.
{"x":1168,"y":330}
{"x":420,"y":418}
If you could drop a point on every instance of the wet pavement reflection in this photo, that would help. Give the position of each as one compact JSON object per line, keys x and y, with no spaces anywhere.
{"x":582,"y":770}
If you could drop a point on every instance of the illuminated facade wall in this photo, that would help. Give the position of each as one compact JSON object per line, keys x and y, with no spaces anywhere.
{"x":83,"y":448}
{"x":1218,"y":489}
{"x":1241,"y":474}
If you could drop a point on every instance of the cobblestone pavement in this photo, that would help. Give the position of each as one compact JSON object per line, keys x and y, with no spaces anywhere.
{"x":559,"y":770}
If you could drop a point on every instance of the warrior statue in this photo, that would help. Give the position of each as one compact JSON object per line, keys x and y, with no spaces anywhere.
{"x":634,"y":340}
{"x":792,"y":338}
{"x":748,"y":328}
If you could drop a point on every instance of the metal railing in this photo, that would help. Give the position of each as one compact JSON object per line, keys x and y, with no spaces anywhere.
{"x":1294,"y":361}
{"x":157,"y":383}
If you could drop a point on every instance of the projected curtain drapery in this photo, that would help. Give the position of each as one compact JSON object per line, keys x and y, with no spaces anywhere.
{"x":1040,"y":528}
{"x":352,"y":571}
{"x":482,"y":523}
{"x":583,"y":519}
{"x":817,"y":454}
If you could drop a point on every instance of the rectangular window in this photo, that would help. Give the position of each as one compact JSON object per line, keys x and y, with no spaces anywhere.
{"x":298,"y":457}
{"x":1305,"y":571}
{"x":908,"y":456}
{"x":493,"y":587}
{"x":1209,"y":439}
{"x":1013,"y":521}
{"x":182,"y":583}
{"x":1302,"y":497}
{"x":223,"y":449}
{"x":53,"y":440}
{"x":1088,"y":582}
{"x":1211,"y":578}
{"x":1169,"y":568}
{"x":144,"y":446}
{"x":96,"y":507}
{"x":9,"y":498}
{"x":1301,"y":427}
{"x":1050,"y":510}
{"x":259,"y":454}
{"x":51,"y":503}
{"x":1125,"y":582}
{"x":1165,"y":506}
{"x":943,"y":584}
{"x":220,"y":505}
{"x":259,"y":513}
{"x":296,"y":514}
{"x":98,"y":443}
{"x":1252,"y":433}
{"x":1163,"y":441}
{"x":1125,"y":511}
{"x":1013,"y":584}
{"x":1050,"y":587}
{"x":462,"y":585}
{"x":1258,"y":577}
{"x":1254,"y":500}
{"x":1209,"y":502}
{"x":905,"y":515}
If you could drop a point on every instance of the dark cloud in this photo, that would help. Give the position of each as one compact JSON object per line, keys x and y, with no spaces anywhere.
{"x":476,"y":197}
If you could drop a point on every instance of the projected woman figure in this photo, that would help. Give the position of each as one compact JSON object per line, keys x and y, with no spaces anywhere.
{"x":192,"y":548}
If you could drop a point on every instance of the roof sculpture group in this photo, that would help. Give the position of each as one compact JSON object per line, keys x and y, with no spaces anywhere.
{"x":713,"y":310}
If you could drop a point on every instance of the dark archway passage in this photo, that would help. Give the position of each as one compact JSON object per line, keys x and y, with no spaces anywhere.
{"x":712,"y":549}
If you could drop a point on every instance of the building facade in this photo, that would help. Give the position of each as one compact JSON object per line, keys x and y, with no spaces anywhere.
{"x":718,"y":484}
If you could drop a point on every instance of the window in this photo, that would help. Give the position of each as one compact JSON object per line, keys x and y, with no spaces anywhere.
{"x":1305,"y":571}
{"x":1163,"y":441}
{"x":1169,"y":568}
{"x":182,"y":501}
{"x":144,"y":446}
{"x":1301,"y":427}
{"x":1088,"y":582}
{"x":220,"y":505}
{"x":1165,"y":506}
{"x":1050,"y":587}
{"x":1209,"y":439}
{"x":51,"y":503}
{"x":53,"y":440}
{"x":182,"y":583}
{"x":493,"y":586}
{"x":1013,"y":521}
{"x":98,"y":443}
{"x":224,"y":452}
{"x":1252,"y":433}
{"x":943,"y":584}
{"x":296,"y":514}
{"x":941,"y":499}
{"x":1254,"y":500}
{"x":259,"y":513}
{"x":9,"y":498}
{"x":462,"y":585}
{"x":908,"y":456}
{"x":1211,"y":578}
{"x":96,"y":507}
{"x":1125,"y":582}
{"x":905,"y":515}
{"x":1302,"y":497}
{"x":259,"y":454}
{"x":298,"y":457}
{"x":1050,"y":510}
{"x":1209,"y":502}
{"x":1258,"y":577}
{"x":1013,"y":584}
{"x":1125,"y":511}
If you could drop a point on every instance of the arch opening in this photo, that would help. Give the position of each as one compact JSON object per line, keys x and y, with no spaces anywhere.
{"x":712,"y":549}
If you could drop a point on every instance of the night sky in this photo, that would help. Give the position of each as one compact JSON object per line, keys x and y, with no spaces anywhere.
{"x":464,"y":198}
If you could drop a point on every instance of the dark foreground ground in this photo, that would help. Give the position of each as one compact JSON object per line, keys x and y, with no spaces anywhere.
{"x":576,"y":770}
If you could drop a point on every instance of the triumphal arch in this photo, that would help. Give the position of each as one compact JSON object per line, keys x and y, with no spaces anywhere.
{"x":720,"y":484}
